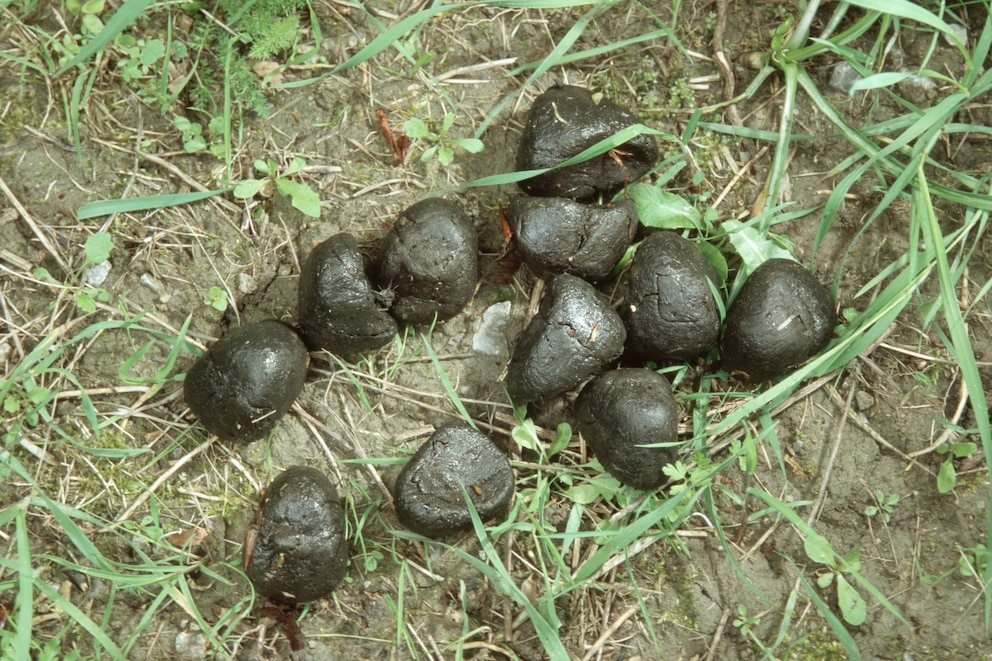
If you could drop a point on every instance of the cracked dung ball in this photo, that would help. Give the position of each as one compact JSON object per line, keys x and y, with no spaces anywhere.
{"x":575,"y":334}
{"x":781,"y":317}
{"x":563,"y":122}
{"x":430,"y":261}
{"x":297,"y":550}
{"x":557,"y":235}
{"x":619,"y":411}
{"x":337,"y":307}
{"x":248,"y":380}
{"x":671,"y":314}
{"x":429,"y":494}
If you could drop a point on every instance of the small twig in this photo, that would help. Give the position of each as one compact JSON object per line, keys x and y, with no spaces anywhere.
{"x":140,"y":500}
{"x":718,"y":634}
{"x":602,"y":640}
{"x":29,"y":219}
{"x":815,"y":512}
{"x":948,"y":431}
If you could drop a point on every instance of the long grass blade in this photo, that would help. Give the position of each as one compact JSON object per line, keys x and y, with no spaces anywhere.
{"x":123,"y":17}
{"x":109,"y":207}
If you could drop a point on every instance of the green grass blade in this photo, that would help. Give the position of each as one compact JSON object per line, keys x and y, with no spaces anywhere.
{"x":24,"y":601}
{"x":99,"y":635}
{"x":846,"y":641}
{"x":122,"y":18}
{"x":108,"y":207}
{"x":449,"y":387}
{"x":961,"y":350}
{"x":598,"y":149}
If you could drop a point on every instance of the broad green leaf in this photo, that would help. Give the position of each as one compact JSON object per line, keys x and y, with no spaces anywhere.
{"x":304,"y":198}
{"x":471,"y":145}
{"x":562,"y":437}
{"x":852,"y":606}
{"x":661,"y":209}
{"x":825,"y":579}
{"x":445,"y":156}
{"x":583,"y":494}
{"x":752,"y":246}
{"x":97,"y":248}
{"x":818,"y":549}
{"x":716,"y":260}
{"x":525,"y":435}
{"x":416,"y":128}
{"x":248,"y":188}
{"x":152,"y":52}
{"x":946,"y":477}
{"x":295,"y":165}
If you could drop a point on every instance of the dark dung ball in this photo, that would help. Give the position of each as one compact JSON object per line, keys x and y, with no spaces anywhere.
{"x":558,"y":235}
{"x":575,"y":335}
{"x":671,"y":314}
{"x":430,"y":261}
{"x":337,"y":307}
{"x":247,"y":380}
{"x":562,"y":123}
{"x":299,"y":552}
{"x":621,"y":410}
{"x":781,"y":317}
{"x":429,"y":494}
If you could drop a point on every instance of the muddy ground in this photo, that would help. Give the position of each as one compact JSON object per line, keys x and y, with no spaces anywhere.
{"x":675,"y":599}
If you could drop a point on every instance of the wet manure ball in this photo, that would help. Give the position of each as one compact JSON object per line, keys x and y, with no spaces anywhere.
{"x":297,"y":550}
{"x":337,"y":307}
{"x":557,"y":235}
{"x":430,"y":260}
{"x":563,"y":122}
{"x":248,"y":380}
{"x":620,"y":410}
{"x":671,"y":314}
{"x":575,"y":334}
{"x":429,"y":494}
{"x":781,"y":317}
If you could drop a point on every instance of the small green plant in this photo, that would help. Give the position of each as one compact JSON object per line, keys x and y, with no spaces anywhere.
{"x":216,"y":298}
{"x":946,"y":475}
{"x":883,"y":505}
{"x":852,"y":606}
{"x":138,"y":56}
{"x":195,"y":140}
{"x":442,"y":145}
{"x":304,"y":198}
{"x":524,"y":434}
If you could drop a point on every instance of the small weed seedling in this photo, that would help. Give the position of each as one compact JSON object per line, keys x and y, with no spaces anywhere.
{"x":304,"y":198}
{"x":194,"y":139}
{"x":946,"y":476}
{"x":442,"y":145}
{"x":883,"y":505}
{"x":852,"y":605}
{"x":216,"y":298}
